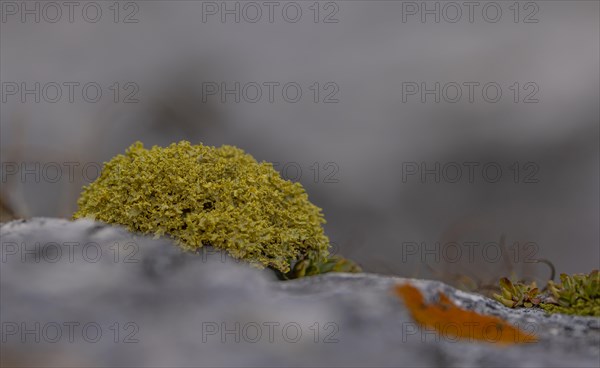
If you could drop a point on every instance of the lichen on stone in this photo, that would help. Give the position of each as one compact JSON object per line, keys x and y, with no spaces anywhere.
{"x":454,"y":322}
{"x":202,"y":195}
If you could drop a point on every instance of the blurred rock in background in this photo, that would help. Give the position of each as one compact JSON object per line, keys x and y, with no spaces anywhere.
{"x":354,"y":156}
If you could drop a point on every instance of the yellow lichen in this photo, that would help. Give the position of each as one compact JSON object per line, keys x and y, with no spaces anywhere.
{"x":201,"y":195}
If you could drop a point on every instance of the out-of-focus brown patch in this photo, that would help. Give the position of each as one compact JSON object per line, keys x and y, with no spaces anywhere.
{"x":33,"y":356}
{"x":6,"y":214}
{"x":453,"y":322}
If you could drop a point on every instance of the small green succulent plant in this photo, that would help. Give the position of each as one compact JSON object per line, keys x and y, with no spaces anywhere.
{"x":518,"y":294}
{"x":577,"y":294}
{"x":208,"y":196}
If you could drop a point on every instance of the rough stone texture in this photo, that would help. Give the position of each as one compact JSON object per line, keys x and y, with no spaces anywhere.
{"x":169,"y":296}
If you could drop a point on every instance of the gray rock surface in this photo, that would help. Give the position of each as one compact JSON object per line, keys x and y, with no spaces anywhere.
{"x":110,"y":298}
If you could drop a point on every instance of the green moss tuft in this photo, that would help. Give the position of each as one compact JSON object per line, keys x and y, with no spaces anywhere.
{"x":201,"y":195}
{"x":309,"y":266}
{"x":577,"y":294}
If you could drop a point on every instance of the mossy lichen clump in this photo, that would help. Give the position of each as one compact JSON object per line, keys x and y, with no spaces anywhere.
{"x":201,"y":195}
{"x":577,"y":294}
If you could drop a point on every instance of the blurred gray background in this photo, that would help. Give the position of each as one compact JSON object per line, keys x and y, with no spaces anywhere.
{"x":352,"y":153}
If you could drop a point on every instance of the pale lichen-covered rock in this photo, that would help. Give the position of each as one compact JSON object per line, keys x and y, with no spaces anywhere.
{"x":155,"y":305}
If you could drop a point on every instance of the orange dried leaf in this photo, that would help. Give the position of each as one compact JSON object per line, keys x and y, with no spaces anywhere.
{"x":453,"y":322}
